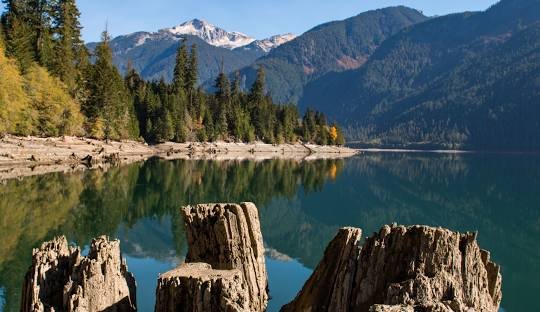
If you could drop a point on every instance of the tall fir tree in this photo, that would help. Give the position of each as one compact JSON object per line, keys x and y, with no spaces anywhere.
{"x":257,"y":91}
{"x":222,"y":104}
{"x":192,"y":77}
{"x":71,"y":57}
{"x":41,"y":19}
{"x":108,"y":109}
{"x":261,"y":114}
{"x":19,"y":33}
{"x":179,"y":99}
{"x":180,"y":67}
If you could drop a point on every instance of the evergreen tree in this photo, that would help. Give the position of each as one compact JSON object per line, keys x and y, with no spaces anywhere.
{"x":179,"y":106}
{"x":192,"y":77}
{"x":137,"y":89}
{"x":70,"y":52}
{"x":222,"y":104}
{"x":309,"y":127}
{"x":257,"y":91}
{"x":19,"y":34}
{"x":260,"y":116}
{"x":108,"y":110}
{"x":40,"y":18}
{"x":180,"y":68}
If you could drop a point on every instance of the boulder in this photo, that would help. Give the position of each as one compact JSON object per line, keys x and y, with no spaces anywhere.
{"x":415,"y":268}
{"x":60,"y":279}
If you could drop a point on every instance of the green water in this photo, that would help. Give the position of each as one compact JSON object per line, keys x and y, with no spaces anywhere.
{"x":302,"y":204}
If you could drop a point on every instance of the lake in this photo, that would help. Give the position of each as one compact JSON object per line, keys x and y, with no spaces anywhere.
{"x":301,"y":205}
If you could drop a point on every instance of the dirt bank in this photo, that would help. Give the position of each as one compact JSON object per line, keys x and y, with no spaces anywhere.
{"x":26,"y":156}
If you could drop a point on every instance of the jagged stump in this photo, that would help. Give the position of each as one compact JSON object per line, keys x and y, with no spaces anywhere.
{"x":60,"y":279}
{"x":227,"y":237}
{"x":416,"y":268}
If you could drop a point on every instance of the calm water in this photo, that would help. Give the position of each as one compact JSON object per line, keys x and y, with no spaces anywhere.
{"x":301,"y":206}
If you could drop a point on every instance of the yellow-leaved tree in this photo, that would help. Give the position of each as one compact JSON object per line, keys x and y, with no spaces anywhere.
{"x":14,"y":103}
{"x":53,"y":111}
{"x":333,"y":134}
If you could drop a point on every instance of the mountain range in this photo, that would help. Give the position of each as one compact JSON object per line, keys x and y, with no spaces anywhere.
{"x":153,"y":53}
{"x":393,"y":77}
{"x":468,"y":80}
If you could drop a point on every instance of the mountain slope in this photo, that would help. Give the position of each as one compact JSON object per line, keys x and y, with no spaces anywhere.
{"x":334,"y":46}
{"x":460,"y":81}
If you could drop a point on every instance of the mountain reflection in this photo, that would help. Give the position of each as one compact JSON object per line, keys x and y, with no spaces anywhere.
{"x":302,"y":204}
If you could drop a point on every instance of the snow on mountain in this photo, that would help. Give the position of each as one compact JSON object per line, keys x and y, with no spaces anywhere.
{"x":212,"y":34}
{"x":273,"y":42}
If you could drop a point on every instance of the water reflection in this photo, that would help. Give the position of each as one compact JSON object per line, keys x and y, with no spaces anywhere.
{"x":302,"y":204}
{"x":136,"y":203}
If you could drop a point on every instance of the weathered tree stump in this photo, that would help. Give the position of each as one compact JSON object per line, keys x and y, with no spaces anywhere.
{"x":400,"y":268}
{"x":196,"y":287}
{"x":60,"y":279}
{"x":227,"y":237}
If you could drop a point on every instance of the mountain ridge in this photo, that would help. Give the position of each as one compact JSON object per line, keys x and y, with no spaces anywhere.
{"x":332,"y":46}
{"x":423,"y":86}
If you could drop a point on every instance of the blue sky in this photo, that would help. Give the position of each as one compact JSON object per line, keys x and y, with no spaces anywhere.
{"x":257,"y":18}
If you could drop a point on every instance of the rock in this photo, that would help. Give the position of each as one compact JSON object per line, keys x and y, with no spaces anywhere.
{"x":196,"y":287}
{"x":60,"y":279}
{"x":228,"y":236}
{"x":400,"y":268}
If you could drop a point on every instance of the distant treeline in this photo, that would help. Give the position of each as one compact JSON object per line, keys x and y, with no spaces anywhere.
{"x":49,"y":87}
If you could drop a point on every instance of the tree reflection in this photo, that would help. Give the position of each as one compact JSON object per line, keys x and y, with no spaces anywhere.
{"x":88,"y":204}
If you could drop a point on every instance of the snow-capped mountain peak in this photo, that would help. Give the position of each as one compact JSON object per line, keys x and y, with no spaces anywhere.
{"x":275,"y":41}
{"x":212,"y":34}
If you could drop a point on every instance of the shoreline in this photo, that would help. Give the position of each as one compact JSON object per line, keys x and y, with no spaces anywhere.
{"x":30,"y":156}
{"x":443,"y":151}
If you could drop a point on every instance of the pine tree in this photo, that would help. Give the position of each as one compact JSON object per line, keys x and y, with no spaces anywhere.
{"x":222,"y":104}
{"x":70,"y":52}
{"x":257,"y":92}
{"x":108,"y":111}
{"x":179,"y":100}
{"x":137,"y":89}
{"x":309,"y":127}
{"x":260,"y":116}
{"x":180,"y":68}
{"x":19,"y":34}
{"x":40,"y":17}
{"x":192,"y":77}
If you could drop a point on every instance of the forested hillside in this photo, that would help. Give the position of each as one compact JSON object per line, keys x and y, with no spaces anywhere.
{"x":331,"y":47}
{"x":465,"y":80}
{"x":51,"y":85}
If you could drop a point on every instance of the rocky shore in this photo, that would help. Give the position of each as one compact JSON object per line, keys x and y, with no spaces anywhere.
{"x":27,"y":156}
{"x":398,"y":269}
